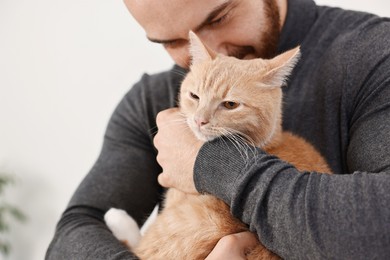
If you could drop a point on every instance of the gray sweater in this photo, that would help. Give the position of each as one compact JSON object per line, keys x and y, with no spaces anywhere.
{"x":338,"y":99}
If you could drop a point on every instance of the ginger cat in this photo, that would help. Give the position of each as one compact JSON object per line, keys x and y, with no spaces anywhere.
{"x":240,"y":99}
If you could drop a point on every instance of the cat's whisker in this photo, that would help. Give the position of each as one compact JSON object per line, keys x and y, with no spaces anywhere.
{"x":235,"y":144}
{"x":179,"y":72}
{"x":153,"y":131}
{"x":239,"y":144}
{"x":249,"y":142}
{"x":243,"y":143}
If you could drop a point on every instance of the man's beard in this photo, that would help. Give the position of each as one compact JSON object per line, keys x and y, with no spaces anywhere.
{"x":272,"y":34}
{"x":270,"y":37}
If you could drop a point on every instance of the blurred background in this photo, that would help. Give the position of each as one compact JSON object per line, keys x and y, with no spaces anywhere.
{"x":64,"y":66}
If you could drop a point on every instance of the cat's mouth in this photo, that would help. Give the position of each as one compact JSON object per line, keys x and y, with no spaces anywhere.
{"x":204,"y":135}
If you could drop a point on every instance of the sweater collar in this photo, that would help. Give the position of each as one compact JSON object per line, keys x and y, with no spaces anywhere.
{"x":301,"y":15}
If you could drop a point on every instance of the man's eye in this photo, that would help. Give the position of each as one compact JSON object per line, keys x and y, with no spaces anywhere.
{"x":169,"y":44}
{"x":174,"y":44}
{"x":218,"y":21}
{"x":194,"y":96}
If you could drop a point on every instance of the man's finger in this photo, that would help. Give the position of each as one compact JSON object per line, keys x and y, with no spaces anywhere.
{"x":246,"y":239}
{"x":164,"y":115}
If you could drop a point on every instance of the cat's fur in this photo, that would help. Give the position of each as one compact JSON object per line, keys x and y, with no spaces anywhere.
{"x":189,"y":226}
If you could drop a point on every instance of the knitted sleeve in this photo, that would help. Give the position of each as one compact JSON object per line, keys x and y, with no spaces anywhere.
{"x":124,"y":176}
{"x":318,"y":216}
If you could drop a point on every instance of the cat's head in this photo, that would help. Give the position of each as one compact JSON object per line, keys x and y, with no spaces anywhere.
{"x":223,"y":95}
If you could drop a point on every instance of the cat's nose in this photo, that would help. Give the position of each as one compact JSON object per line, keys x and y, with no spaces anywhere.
{"x":201,"y":121}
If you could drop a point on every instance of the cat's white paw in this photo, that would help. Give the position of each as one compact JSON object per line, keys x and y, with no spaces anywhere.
{"x":123,"y":226}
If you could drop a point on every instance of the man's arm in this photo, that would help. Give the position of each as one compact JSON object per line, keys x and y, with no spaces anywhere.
{"x":311,"y":215}
{"x":300,"y":215}
{"x":124,"y":176}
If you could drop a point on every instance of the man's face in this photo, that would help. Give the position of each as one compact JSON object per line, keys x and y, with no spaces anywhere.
{"x":241,"y":28}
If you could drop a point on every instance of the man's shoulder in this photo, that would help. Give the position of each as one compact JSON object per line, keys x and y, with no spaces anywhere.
{"x":140,"y":105}
{"x":162,"y":87}
{"x":353,"y":29}
{"x":345,"y":38}
{"x":152,"y":93}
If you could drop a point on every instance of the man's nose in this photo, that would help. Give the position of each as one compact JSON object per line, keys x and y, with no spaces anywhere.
{"x":213,"y":42}
{"x":182,"y":57}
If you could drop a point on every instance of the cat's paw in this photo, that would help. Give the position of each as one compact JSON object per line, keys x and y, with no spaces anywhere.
{"x":123,"y":226}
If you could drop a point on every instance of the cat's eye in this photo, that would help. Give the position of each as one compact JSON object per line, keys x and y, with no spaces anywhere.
{"x":230,"y":104}
{"x":194,"y":96}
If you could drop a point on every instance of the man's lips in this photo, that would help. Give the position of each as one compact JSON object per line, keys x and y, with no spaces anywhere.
{"x":246,"y":52}
{"x":249,"y":56}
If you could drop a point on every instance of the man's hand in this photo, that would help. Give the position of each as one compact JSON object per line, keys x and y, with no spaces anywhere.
{"x":177,"y":150}
{"x":233,"y":247}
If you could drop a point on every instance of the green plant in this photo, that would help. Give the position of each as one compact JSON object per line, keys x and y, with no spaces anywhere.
{"x":7,"y":211}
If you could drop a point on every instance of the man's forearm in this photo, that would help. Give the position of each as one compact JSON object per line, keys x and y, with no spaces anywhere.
{"x":300,"y":215}
{"x":81,"y":234}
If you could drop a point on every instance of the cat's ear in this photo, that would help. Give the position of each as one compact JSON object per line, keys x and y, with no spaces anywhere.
{"x":198,"y":50}
{"x":281,"y":67}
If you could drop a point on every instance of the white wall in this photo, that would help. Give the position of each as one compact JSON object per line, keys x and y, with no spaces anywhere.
{"x":64,"y":65}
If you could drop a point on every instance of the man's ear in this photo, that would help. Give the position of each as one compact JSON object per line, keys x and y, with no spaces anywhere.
{"x":198,"y":50}
{"x":281,"y":67}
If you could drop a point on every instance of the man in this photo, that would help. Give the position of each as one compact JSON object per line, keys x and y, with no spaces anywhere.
{"x":338,"y":98}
